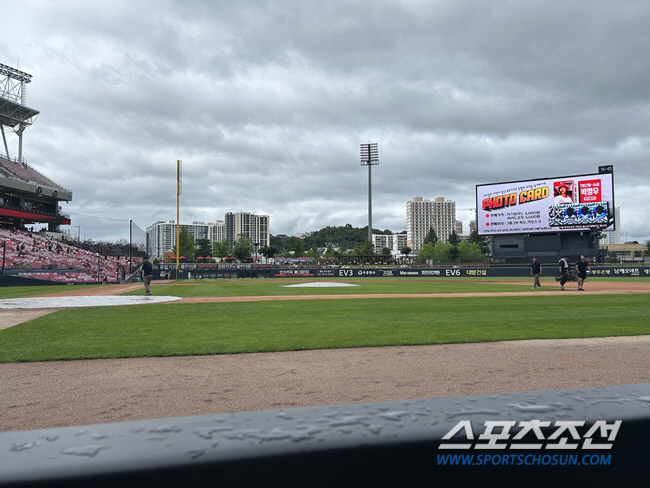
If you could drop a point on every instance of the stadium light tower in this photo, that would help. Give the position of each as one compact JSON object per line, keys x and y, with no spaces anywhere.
{"x":179,"y":190}
{"x":14,"y":114}
{"x":370,"y":158}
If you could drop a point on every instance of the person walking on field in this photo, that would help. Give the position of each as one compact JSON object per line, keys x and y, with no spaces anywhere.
{"x":564,"y":271}
{"x":582,"y":267}
{"x":147,"y":273}
{"x":536,"y":271}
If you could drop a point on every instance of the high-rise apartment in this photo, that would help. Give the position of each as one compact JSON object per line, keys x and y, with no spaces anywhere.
{"x":161,"y":236}
{"x":251,"y":226}
{"x":613,"y":235}
{"x":217,"y":231}
{"x":422,"y":215}
{"x":394,"y":242}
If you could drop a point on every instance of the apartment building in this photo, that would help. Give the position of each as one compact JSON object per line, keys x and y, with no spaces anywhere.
{"x":394,"y":242}
{"x":613,"y":235}
{"x":161,"y":236}
{"x":251,"y":226}
{"x":422,"y":215}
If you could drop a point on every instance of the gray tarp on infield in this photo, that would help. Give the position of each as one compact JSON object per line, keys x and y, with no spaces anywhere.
{"x":83,"y":301}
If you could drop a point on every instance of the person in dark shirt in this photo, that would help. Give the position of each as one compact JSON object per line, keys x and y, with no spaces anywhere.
{"x":581,"y":267}
{"x":147,"y":273}
{"x":564,"y":271}
{"x":536,"y":271}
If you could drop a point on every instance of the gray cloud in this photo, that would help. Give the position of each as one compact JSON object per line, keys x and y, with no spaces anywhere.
{"x":266,"y":103}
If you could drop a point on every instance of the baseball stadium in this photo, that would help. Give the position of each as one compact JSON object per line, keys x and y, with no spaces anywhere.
{"x":81,"y":343}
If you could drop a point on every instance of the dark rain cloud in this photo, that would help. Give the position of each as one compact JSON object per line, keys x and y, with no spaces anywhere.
{"x":266,"y":103}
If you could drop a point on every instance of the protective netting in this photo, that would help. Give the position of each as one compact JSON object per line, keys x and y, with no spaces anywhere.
{"x":138,"y":238}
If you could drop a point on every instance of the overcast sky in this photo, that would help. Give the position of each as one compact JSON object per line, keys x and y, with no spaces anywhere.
{"x":266,"y":103}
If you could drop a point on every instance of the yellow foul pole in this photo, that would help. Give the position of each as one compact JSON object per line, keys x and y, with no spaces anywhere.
{"x":178,"y":224}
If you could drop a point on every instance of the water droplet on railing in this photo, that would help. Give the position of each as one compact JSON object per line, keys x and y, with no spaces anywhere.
{"x":88,"y":451}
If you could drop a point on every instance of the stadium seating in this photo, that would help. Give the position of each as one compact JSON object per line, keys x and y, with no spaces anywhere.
{"x":39,"y":257}
{"x":24,"y":173}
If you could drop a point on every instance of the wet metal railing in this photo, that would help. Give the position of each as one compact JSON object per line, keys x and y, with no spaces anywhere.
{"x":578,"y":437}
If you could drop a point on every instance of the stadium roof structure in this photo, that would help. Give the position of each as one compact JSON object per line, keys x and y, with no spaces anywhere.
{"x":26,"y":195}
{"x":13,"y":111}
{"x":13,"y":114}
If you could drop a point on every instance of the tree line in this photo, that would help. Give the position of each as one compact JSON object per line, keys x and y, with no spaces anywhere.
{"x":343,"y":245}
{"x":455,"y":250}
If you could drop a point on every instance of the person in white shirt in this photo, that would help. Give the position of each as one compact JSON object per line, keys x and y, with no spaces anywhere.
{"x":562,"y":197}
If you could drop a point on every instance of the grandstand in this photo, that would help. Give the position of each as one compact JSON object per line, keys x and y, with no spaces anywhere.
{"x":33,"y":256}
{"x":28,"y":198}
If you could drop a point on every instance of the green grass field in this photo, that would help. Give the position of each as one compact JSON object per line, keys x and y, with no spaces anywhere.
{"x":366,"y":286}
{"x":30,"y":291}
{"x":174,"y":329}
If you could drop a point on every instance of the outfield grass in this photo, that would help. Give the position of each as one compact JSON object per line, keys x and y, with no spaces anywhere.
{"x":367,"y":286}
{"x":223,"y":328}
{"x":277,"y":287}
{"x":30,"y":291}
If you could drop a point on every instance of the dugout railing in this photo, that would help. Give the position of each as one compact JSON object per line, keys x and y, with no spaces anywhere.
{"x":576,"y":437}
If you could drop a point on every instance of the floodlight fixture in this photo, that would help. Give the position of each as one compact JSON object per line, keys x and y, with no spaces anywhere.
{"x":12,"y":83}
{"x":369,"y":154}
{"x":15,"y":73}
{"x":14,"y":114}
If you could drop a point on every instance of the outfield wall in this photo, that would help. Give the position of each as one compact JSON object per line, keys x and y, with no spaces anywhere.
{"x":234,"y":271}
{"x":216,"y":271}
{"x":9,"y":280}
{"x":444,"y":272}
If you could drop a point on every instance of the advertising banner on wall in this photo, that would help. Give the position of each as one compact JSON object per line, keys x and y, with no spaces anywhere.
{"x":567,"y":203}
{"x":455,"y":272}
